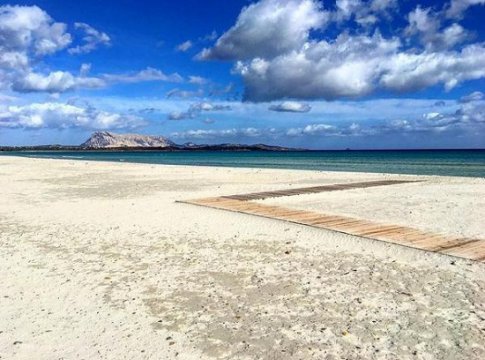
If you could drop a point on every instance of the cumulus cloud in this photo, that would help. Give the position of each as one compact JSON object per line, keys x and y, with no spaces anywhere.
{"x":61,"y":116}
{"x":92,"y":39}
{"x":427,"y":25}
{"x":30,"y":30}
{"x":291,"y":106}
{"x":418,"y":116}
{"x":410,"y":72}
{"x":27,"y":32}
{"x":474,"y":96}
{"x":364,"y":13}
{"x":457,"y":8}
{"x":313,"y":129}
{"x":54,"y":82}
{"x":183,"y":47}
{"x":470,"y":116}
{"x":352,"y":64}
{"x":266,"y":29}
{"x":196,"y":109}
{"x":357,"y":66}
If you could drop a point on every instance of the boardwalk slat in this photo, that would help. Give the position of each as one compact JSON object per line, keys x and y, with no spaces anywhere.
{"x":473,"y":249}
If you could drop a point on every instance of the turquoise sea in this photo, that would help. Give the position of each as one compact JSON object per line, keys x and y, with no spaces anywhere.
{"x":420,"y":162}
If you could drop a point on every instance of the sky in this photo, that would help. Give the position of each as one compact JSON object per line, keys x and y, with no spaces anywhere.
{"x":360,"y":74}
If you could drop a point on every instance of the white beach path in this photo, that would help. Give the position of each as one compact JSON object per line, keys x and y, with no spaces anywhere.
{"x":98,"y":261}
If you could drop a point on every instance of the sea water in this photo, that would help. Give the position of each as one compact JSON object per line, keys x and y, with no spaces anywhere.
{"x":420,"y":162}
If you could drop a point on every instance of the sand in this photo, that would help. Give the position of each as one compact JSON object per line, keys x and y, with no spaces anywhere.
{"x":98,"y":261}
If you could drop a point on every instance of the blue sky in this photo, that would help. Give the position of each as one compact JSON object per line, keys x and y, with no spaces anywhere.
{"x":307,"y":73}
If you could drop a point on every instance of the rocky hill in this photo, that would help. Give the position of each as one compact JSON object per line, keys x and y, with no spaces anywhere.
{"x":106,"y":140}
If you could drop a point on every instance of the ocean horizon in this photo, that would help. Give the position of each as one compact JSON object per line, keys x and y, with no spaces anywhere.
{"x":465,"y":163}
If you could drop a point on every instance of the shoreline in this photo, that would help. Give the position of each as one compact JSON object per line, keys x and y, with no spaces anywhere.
{"x":99,"y":260}
{"x":243,"y":166}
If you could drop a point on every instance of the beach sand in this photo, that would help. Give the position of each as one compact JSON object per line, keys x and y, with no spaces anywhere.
{"x":99,"y":261}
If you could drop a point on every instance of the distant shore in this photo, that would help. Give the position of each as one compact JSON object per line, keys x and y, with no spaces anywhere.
{"x":217,"y":147}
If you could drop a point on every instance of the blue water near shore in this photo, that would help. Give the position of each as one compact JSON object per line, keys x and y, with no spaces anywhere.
{"x":469,"y":163}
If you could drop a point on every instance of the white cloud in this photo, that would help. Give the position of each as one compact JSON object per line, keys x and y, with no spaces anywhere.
{"x":470,"y":116}
{"x":208,"y":121}
{"x":196,"y":109}
{"x":457,"y":8}
{"x":268,"y":28}
{"x":7,"y":98}
{"x":149,"y":74}
{"x":183,"y":47}
{"x":92,"y":39}
{"x":364,"y":13}
{"x":426,"y":24}
{"x":431,"y":116}
{"x":383,"y":5}
{"x":180,"y":115}
{"x":277,"y":57}
{"x":62,"y":81}
{"x":411,"y":72}
{"x":207,"y":106}
{"x":356,"y":66}
{"x":85,"y":69}
{"x":184,"y":94}
{"x":59,"y":115}
{"x":474,"y":96}
{"x":346,"y":8}
{"x":313,"y":129}
{"x":29,"y":29}
{"x":55,"y":82}
{"x":27,"y":32}
{"x":13,"y":60}
{"x":209,"y":37}
{"x":291,"y":106}
{"x":213,"y":134}
{"x":347,"y":67}
{"x":198,"y":80}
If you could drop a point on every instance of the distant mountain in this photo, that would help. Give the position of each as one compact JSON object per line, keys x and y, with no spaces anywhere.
{"x":107,"y":140}
{"x":104,"y":140}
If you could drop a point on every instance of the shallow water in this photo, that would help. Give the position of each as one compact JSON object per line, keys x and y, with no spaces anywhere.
{"x":470,"y":163}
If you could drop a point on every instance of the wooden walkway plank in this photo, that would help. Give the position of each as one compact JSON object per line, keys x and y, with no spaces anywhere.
{"x":316,"y":189}
{"x":473,"y":249}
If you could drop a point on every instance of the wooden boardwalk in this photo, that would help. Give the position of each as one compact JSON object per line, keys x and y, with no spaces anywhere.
{"x":315,"y":189}
{"x":473,"y":249}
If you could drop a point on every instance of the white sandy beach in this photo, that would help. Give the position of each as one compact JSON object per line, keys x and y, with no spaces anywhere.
{"x":99,"y":261}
